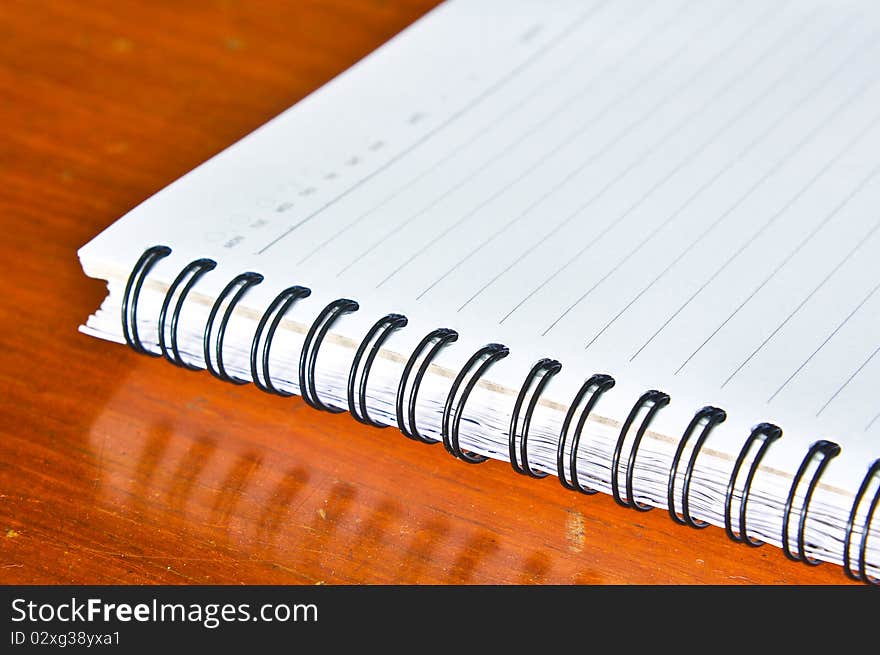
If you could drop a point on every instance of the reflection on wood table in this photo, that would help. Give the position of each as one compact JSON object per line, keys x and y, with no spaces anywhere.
{"x":117,"y":468}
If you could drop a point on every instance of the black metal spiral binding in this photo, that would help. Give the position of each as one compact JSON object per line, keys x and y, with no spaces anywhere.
{"x":465,"y":381}
{"x":377,"y":335}
{"x":237,"y":288}
{"x":826,"y":451}
{"x":656,"y":401}
{"x":543,"y":371}
{"x":133,"y":285}
{"x":599,"y":384}
{"x":479,"y":362}
{"x":861,"y":574}
{"x":709,"y":417}
{"x":433,"y":342}
{"x":188,"y":277}
{"x":309,"y":354}
{"x":767,"y":433}
{"x":276,"y":310}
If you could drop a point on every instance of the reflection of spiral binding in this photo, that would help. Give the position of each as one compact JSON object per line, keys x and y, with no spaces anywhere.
{"x":595,"y":386}
{"x":766,"y":433}
{"x":654,"y":400}
{"x":709,"y":417}
{"x":861,"y":573}
{"x":824,"y":451}
{"x":464,"y":382}
{"x":479,"y":362}
{"x":377,"y":335}
{"x":543,"y":371}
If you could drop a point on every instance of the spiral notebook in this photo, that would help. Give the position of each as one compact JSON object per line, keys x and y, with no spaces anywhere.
{"x":632,"y":245}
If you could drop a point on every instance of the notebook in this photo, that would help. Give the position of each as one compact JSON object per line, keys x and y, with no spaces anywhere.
{"x":628,"y":244}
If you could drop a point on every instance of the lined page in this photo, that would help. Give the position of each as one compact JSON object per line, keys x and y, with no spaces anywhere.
{"x":681,"y":194}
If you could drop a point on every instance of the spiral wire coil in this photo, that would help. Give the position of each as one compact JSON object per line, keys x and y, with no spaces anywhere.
{"x":568,"y":445}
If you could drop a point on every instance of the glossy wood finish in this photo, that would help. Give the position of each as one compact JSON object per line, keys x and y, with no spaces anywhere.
{"x":117,"y":468}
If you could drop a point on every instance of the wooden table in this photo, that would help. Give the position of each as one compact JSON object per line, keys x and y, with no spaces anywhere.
{"x":117,"y":468}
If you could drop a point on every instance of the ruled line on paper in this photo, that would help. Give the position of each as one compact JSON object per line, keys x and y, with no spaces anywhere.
{"x":500,"y":83}
{"x":636,"y":161}
{"x":803,"y":302}
{"x":659,"y":184}
{"x":563,"y":143}
{"x":799,"y":146}
{"x":480,"y":133}
{"x":848,"y":380}
{"x":592,"y":199}
{"x":680,"y":209}
{"x":824,"y":343}
{"x":852,"y":194}
{"x":711,"y":181}
{"x":872,"y":422}
{"x":518,"y":139}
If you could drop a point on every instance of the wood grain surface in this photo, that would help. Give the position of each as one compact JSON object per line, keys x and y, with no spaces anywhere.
{"x":117,"y":468}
